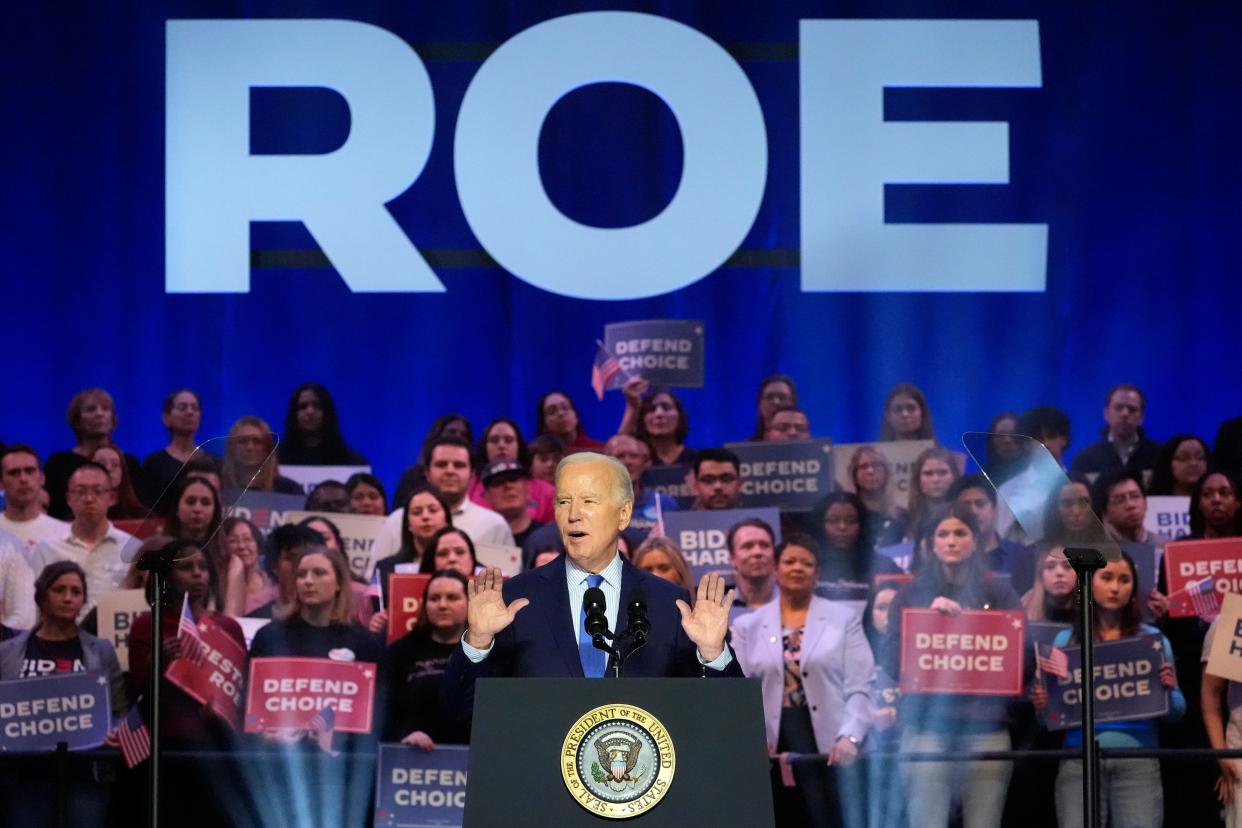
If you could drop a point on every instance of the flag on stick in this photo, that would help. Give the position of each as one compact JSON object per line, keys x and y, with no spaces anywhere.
{"x":192,"y":647}
{"x":603,"y":370}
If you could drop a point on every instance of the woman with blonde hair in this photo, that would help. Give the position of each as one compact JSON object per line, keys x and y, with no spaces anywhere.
{"x":660,"y":556}
{"x":250,"y":459}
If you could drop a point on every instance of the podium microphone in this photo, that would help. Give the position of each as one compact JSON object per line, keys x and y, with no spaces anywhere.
{"x":639,"y":623}
{"x":595,"y":605}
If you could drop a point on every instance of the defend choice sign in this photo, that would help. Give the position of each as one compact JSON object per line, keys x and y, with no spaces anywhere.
{"x":358,"y":536}
{"x":288,"y":692}
{"x":663,"y":351}
{"x":1127,"y":683}
{"x":787,"y":474}
{"x":405,"y":602}
{"x":701,"y":536}
{"x":1188,"y":561}
{"x":36,"y":713}
{"x":978,"y":652}
{"x":416,"y":788}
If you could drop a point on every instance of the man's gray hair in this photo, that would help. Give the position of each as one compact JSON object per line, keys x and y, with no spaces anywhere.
{"x":623,"y":487}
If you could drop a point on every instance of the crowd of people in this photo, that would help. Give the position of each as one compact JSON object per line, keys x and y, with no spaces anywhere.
{"x":819,"y":598}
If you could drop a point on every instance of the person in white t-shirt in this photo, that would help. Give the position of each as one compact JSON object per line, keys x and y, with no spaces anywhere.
{"x":91,"y":541}
{"x":1217,"y":695}
{"x":21,"y":476}
{"x":17,"y":607}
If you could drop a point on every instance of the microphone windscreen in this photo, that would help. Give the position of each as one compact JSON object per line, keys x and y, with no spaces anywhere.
{"x":594,"y":601}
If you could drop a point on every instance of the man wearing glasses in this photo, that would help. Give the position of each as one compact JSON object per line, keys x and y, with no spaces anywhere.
{"x":717,"y":479}
{"x":92,"y":541}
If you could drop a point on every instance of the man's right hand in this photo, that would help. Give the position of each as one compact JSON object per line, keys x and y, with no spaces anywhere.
{"x":487,"y":613}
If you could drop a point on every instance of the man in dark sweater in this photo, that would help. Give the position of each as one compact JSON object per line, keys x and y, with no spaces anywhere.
{"x":1124,"y":445}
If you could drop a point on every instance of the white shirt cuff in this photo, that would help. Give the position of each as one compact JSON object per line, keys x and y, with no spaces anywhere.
{"x":718,"y":663}
{"x":474,"y":653}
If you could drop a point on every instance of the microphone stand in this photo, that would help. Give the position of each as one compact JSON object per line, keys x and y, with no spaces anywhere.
{"x":1085,"y":561}
{"x":159,"y":565}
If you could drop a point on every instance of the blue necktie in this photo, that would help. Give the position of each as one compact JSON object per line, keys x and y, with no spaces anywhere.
{"x":593,"y":661}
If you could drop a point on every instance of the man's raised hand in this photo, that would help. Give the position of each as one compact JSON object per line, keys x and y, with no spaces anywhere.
{"x":487,"y":613}
{"x":708,"y":623}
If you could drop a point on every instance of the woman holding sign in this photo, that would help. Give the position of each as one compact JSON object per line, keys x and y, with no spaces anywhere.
{"x":1129,"y":788}
{"x":953,"y":580}
{"x":57,"y":644}
{"x":816,"y":672}
{"x":188,"y":723}
{"x":413,"y":666}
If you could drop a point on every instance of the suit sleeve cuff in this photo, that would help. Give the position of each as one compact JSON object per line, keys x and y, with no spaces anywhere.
{"x":474,"y":653}
{"x":720,"y":662}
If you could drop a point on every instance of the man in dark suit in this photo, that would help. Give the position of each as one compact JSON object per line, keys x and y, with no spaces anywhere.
{"x":594,"y":500}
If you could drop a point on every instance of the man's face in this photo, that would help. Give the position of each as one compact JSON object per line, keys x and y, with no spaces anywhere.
{"x":96,"y":418}
{"x":788,"y":425}
{"x":508,"y":494}
{"x":89,"y":494}
{"x":1126,"y":507}
{"x":632,"y":453}
{"x":449,"y":470}
{"x":753,"y":556}
{"x":1124,"y":413}
{"x":21,"y":478}
{"x":185,"y":415}
{"x":984,"y":510}
{"x":718,"y":485}
{"x":588,"y":515}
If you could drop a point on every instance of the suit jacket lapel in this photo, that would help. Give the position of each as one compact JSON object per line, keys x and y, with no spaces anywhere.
{"x":816,"y":624}
{"x":555,"y":604}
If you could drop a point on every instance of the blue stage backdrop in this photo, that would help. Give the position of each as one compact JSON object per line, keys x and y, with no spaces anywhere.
{"x":1111,"y":159}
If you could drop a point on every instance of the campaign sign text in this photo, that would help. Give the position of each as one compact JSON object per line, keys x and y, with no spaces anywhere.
{"x":219,"y":680}
{"x":359,"y":534}
{"x":979,"y":652}
{"x":1186,"y":562}
{"x":898,"y":456}
{"x":415,"y":788}
{"x":672,"y":480}
{"x":661,"y":351}
{"x":701,"y":536}
{"x":1168,"y":516}
{"x":36,"y":713}
{"x":1225,"y":649}
{"x":405,"y":602}
{"x":288,"y":692}
{"x":264,"y":509}
{"x":787,"y":474}
{"x":1127,"y":683}
{"x":311,"y":476}
{"x":117,"y":611}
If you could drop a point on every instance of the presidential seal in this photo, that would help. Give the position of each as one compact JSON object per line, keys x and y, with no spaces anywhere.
{"x":618,"y":761}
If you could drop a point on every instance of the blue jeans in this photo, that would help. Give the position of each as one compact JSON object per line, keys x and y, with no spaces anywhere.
{"x":931,"y":787}
{"x":1129,"y":791}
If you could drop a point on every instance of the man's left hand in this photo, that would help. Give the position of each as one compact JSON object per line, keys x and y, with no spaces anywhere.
{"x":708,"y":623}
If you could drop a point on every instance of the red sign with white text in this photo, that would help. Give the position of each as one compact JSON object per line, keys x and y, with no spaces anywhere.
{"x":979,"y":652}
{"x":405,"y":602}
{"x":289,"y":692}
{"x":219,"y":680}
{"x":1186,"y":562}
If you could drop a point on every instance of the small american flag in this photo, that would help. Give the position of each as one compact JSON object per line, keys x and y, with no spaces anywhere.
{"x":133,"y":738}
{"x":603,"y":370}
{"x":321,"y":727}
{"x":1204,"y":598}
{"x":658,"y":531}
{"x":1052,"y":661}
{"x":192,"y":647}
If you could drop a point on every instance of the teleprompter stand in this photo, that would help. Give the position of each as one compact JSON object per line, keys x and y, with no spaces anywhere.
{"x":716,"y":726}
{"x":1086,"y":560}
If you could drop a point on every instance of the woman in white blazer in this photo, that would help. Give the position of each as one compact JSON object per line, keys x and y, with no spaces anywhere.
{"x":815,"y":667}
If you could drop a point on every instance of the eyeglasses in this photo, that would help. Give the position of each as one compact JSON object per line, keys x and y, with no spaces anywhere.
{"x":89,"y":491}
{"x":1122,"y":497}
{"x":713,"y":479}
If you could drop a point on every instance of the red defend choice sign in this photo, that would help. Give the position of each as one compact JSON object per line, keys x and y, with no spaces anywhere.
{"x":405,"y":602}
{"x":979,"y":652}
{"x":1186,"y":562}
{"x":219,"y":680}
{"x":289,"y":692}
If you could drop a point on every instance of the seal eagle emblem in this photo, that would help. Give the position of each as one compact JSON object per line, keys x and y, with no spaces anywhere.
{"x":618,"y":761}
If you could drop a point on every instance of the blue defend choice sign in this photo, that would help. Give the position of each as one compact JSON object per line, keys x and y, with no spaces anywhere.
{"x":1127,"y":683}
{"x":791,"y":475}
{"x":701,"y":536}
{"x":415,"y":788}
{"x":36,"y":713}
{"x":662,"y":351}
